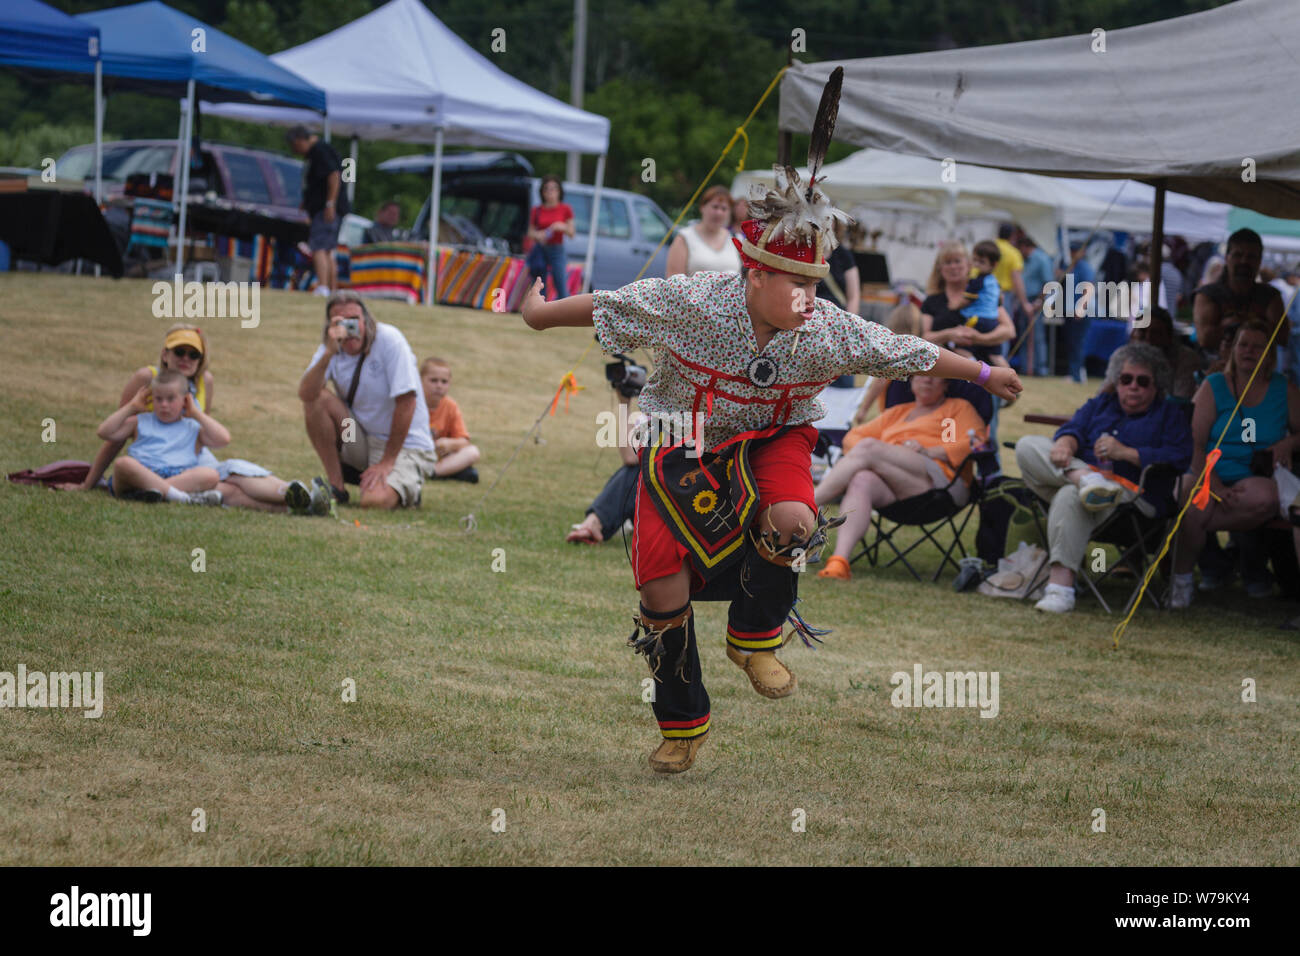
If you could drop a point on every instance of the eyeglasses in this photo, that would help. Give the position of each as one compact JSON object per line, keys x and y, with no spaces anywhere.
{"x":1143,"y":381}
{"x":187,"y":354}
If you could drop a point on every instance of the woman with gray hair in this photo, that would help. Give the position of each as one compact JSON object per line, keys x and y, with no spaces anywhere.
{"x":1095,"y":460}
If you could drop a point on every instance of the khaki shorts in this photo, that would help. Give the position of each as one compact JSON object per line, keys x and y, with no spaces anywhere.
{"x":407,"y":476}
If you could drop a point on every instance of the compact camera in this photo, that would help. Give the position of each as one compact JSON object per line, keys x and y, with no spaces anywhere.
{"x":352,"y":327}
{"x":625,"y":376}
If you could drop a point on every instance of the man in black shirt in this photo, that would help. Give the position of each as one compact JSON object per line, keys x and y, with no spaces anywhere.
{"x":323,"y":199}
{"x":844,"y":284}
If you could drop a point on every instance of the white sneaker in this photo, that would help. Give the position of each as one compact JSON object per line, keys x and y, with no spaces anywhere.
{"x":321,"y":290}
{"x":212,"y":497}
{"x":1180,"y":591}
{"x":1096,"y":492}
{"x":1057,"y":598}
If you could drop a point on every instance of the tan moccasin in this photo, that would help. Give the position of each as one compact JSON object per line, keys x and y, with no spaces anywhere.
{"x":674,"y":756}
{"x":769,"y":676}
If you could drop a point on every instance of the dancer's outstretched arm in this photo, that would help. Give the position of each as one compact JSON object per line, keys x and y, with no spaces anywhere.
{"x":540,"y":314}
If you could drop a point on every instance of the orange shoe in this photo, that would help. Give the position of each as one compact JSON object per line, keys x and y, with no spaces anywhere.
{"x":836,"y":567}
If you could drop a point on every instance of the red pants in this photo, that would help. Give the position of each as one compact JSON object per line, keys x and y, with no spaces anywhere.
{"x":782,"y":469}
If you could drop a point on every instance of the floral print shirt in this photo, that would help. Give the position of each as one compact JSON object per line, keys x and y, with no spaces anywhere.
{"x":707,"y":360}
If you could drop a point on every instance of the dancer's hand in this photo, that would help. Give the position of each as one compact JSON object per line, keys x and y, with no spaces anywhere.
{"x":1004,"y":383}
{"x":533,"y":299}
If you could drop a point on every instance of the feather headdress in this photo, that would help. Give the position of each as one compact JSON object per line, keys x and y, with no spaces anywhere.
{"x":797,"y":213}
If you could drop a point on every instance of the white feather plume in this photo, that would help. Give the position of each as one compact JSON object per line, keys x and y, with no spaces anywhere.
{"x":800,"y":219}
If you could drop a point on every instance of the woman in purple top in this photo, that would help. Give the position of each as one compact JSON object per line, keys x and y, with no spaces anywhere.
{"x":1095,"y":460}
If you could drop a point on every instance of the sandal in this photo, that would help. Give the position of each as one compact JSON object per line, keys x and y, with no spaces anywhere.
{"x":837,"y":568}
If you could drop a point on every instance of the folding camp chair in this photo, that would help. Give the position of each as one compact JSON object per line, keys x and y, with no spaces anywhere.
{"x":1136,"y":528}
{"x":933,"y":513}
{"x":151,"y":225}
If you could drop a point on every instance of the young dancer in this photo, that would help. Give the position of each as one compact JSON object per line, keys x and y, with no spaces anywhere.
{"x":725,"y":506}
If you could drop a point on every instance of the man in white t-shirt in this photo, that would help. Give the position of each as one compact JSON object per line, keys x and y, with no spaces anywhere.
{"x":379,"y":437}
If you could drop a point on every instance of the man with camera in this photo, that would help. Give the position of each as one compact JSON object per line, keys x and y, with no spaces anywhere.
{"x":373,"y":429}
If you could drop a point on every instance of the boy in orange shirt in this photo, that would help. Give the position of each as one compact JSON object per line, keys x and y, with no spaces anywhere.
{"x":456,"y":456}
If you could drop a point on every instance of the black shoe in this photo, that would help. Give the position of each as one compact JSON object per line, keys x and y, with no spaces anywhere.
{"x":321,"y":501}
{"x":340,"y":494}
{"x":298,"y":498}
{"x":469,"y":474}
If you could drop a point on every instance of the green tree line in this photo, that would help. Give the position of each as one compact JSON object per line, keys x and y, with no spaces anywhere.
{"x":675,"y":77}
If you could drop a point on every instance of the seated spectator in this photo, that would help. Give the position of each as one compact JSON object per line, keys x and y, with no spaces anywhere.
{"x":905,"y":319}
{"x":1235,"y":296}
{"x":941,"y":320}
{"x":1243,"y":494}
{"x":1184,"y":361}
{"x":163,"y":461}
{"x":384,"y":228}
{"x":243,"y":484}
{"x":897,"y":455}
{"x":1095,"y":460}
{"x":456,"y":456}
{"x":616,"y":503}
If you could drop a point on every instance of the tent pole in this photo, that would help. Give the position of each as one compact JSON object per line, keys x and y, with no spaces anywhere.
{"x":1157,"y":244}
{"x":435,"y":215}
{"x":949,"y":211}
{"x":99,"y":132}
{"x":99,"y":137}
{"x":183,"y":170}
{"x":577,"y":74}
{"x":595,"y":219}
{"x":325,"y":131}
{"x":352,"y":186}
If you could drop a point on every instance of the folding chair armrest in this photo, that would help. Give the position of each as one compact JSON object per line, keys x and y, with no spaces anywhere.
{"x":1156,"y":469}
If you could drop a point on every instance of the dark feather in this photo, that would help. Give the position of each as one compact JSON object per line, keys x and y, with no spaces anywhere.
{"x":824,"y":126}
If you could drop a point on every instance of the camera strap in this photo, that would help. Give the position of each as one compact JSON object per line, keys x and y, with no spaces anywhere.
{"x":356,"y":380}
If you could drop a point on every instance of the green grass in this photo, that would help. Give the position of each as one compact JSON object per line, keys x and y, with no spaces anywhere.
{"x":480,"y":690}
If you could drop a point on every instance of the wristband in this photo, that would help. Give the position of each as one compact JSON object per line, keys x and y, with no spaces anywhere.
{"x":985,"y":372}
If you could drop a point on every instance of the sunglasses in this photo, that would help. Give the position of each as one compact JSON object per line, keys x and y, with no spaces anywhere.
{"x":1143,"y":381}
{"x":187,"y":353}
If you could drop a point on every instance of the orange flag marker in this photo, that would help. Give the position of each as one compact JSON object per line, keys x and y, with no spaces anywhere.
{"x":1202,"y":497}
{"x":568,"y":386}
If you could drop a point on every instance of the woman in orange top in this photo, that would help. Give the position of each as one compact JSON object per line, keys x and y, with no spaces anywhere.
{"x":905,"y":451}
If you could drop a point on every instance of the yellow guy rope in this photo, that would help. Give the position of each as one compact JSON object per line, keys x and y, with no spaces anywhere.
{"x":738,"y":134}
{"x":470,"y":521}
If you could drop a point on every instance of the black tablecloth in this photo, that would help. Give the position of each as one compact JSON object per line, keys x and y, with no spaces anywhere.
{"x":51,"y":227}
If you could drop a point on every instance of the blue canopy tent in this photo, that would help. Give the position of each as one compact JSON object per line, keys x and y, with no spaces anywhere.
{"x":37,"y":36}
{"x":153,"y":48}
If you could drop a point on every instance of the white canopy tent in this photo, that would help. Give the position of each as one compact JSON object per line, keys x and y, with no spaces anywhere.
{"x":1166,"y":103}
{"x":399,"y":74}
{"x":1185,"y":102}
{"x":1041,"y":205}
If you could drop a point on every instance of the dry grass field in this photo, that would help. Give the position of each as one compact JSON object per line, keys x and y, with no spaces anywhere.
{"x":481,"y":690}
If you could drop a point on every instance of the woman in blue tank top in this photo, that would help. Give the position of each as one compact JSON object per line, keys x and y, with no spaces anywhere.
{"x":1268,"y":420}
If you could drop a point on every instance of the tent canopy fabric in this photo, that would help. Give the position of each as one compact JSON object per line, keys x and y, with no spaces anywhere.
{"x":1185,"y":101}
{"x":1197,"y":220}
{"x":1037,"y":203}
{"x":152,"y":47}
{"x":34,"y":34}
{"x":398,"y":73}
